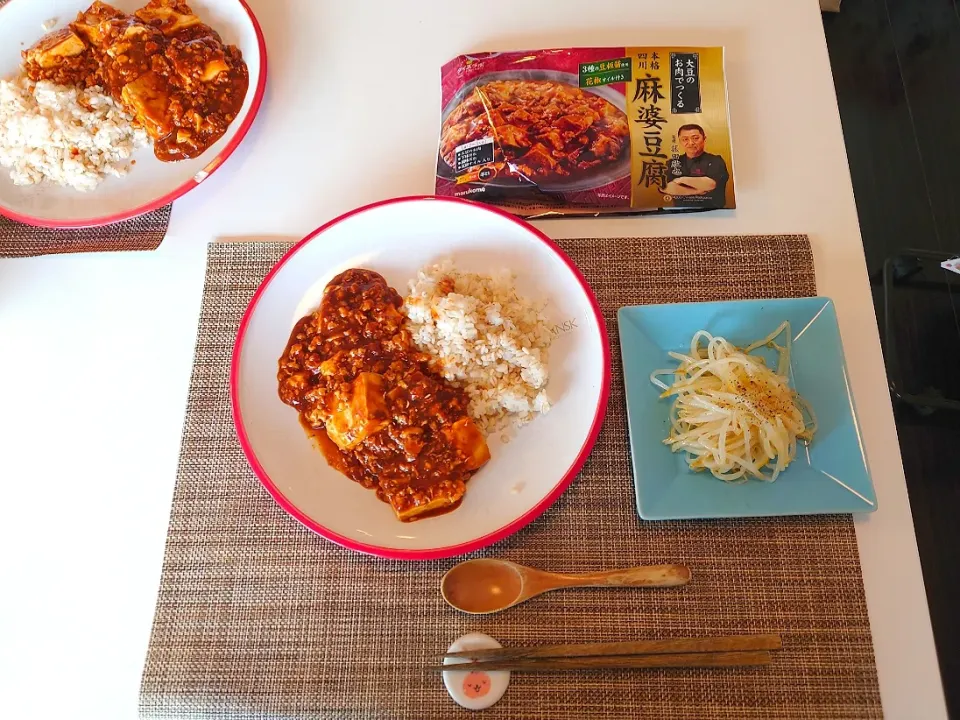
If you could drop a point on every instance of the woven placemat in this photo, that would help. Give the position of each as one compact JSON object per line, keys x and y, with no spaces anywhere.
{"x":145,"y":232}
{"x":259,"y":618}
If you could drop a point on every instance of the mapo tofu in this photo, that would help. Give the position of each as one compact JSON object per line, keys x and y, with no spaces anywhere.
{"x":374,"y":403}
{"x":164,"y":66}
{"x":542,"y":129}
{"x":64,"y":58}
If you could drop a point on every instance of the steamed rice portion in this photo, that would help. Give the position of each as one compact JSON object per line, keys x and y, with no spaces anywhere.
{"x":488,"y":339}
{"x":74,"y":138}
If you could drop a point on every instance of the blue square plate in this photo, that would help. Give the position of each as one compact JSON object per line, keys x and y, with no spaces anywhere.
{"x":830,"y":476}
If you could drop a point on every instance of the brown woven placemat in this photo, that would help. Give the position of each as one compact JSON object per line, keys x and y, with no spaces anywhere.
{"x":259,"y":618}
{"x":145,"y":232}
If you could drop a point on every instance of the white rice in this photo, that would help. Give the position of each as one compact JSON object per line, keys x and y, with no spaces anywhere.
{"x":74,"y":138}
{"x":489,"y":340}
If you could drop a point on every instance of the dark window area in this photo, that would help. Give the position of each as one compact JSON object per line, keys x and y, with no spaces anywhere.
{"x":896,"y":66}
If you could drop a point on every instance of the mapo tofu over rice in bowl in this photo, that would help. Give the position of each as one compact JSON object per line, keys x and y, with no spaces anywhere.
{"x":120,"y":107}
{"x":447,"y":357}
{"x":400,"y":394}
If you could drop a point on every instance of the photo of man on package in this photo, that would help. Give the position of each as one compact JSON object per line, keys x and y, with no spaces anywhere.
{"x":698,"y":178}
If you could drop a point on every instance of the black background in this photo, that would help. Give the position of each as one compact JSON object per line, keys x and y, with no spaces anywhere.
{"x":896,"y":67}
{"x":691,"y":90}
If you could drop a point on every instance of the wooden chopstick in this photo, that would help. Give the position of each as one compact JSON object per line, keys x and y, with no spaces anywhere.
{"x":735,"y":643}
{"x":618,"y":662}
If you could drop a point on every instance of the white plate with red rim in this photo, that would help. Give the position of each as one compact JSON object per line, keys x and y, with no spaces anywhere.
{"x":151,"y":184}
{"x":396,"y":238}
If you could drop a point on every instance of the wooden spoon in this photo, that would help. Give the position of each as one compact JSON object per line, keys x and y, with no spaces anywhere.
{"x":487,"y":586}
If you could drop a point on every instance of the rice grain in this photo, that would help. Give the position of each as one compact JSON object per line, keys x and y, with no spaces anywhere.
{"x":488,"y":339}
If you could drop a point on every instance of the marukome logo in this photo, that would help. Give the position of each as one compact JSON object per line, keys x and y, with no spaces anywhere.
{"x":564,"y":328}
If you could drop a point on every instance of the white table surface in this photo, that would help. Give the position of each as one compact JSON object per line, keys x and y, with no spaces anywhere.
{"x":96,"y":350}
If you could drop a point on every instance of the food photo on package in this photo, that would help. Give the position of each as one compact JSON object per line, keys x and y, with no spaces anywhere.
{"x":587,"y":131}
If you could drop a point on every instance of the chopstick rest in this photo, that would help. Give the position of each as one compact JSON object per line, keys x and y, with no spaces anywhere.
{"x":474,"y":689}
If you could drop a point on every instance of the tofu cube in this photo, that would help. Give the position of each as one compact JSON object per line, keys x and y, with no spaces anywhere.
{"x":92,"y":24}
{"x":411,"y":503}
{"x":362,"y":414}
{"x":171,"y":16}
{"x":53,"y":48}
{"x":148,"y":97}
{"x":469,"y":441}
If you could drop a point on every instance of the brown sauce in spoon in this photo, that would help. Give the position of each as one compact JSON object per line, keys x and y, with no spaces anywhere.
{"x":482,"y":586}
